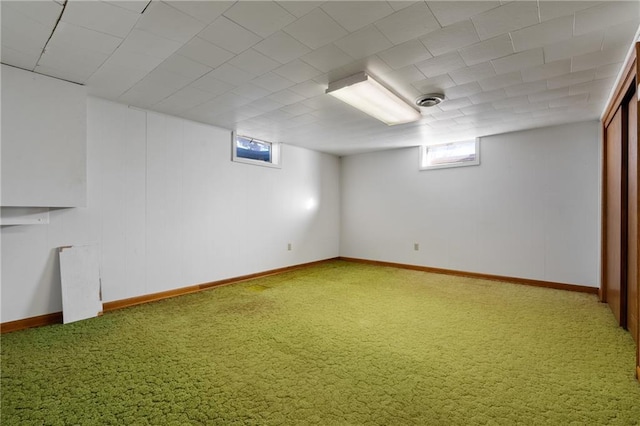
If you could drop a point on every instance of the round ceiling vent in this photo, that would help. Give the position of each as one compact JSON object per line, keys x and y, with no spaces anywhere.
{"x":430,"y":99}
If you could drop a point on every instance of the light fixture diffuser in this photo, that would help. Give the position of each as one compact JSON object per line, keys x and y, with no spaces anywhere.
{"x":364,"y":93}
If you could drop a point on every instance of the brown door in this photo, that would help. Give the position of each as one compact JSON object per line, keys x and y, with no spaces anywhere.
{"x":632,"y":218}
{"x":614,"y":206}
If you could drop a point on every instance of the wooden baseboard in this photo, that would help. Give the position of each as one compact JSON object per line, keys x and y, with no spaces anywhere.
{"x":40,"y":320}
{"x":524,"y":281}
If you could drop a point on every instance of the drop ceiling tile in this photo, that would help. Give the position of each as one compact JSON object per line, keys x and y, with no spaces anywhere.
{"x":309,"y":89}
{"x":21,"y":33}
{"x":372,"y":64}
{"x":548,"y":95}
{"x":405,"y":54}
{"x":25,"y":59}
{"x":510,"y":17}
{"x":408,"y":74}
{"x":571,"y":79}
{"x":230,"y":36}
{"x":250,"y":91}
{"x":597,"y":88}
{"x":353,"y":15}
{"x":205,"y":53}
{"x":297,"y":71}
{"x":72,"y":36}
{"x":527,"y":88}
{"x":456,"y":104}
{"x":472,"y":73}
{"x":620,"y":35}
{"x":554,"y":9}
{"x":99,"y":16}
{"x":327,"y":58}
{"x":184,"y":66}
{"x":473,"y":110}
{"x":296,"y":109}
{"x":400,"y":4}
{"x":569,"y":100}
{"x":407,"y":24}
{"x":546,"y":71}
{"x":364,"y":42}
{"x":45,"y":13}
{"x":448,"y":12}
{"x":153,"y":88}
{"x":501,"y":81}
{"x":315,"y":29}
{"x":137,"y":6}
{"x":462,"y":90}
{"x":266,"y":105}
{"x":597,"y":59}
{"x":435,"y":84}
{"x":143,"y":43}
{"x":209,"y":83}
{"x":272,"y":82}
{"x":261,"y":17}
{"x":534,"y":106}
{"x":490,"y":96}
{"x":519,"y":61}
{"x":286,"y":97}
{"x":605,"y":15}
{"x":610,"y":70}
{"x":487,"y":50}
{"x":183,"y":100}
{"x":447,"y":115}
{"x":74,"y":75}
{"x":299,"y":8}
{"x":543,"y":34}
{"x":510,"y":103}
{"x":205,"y":11}
{"x":232,"y":74}
{"x":254,"y":62}
{"x":167,"y":22}
{"x":450,"y":38}
{"x":441,"y":64}
{"x":281,"y":47}
{"x":72,"y":63}
{"x":120,"y":72}
{"x":574,"y":46}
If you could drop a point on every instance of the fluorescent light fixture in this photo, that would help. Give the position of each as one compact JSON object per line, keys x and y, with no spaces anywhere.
{"x":363,"y":92}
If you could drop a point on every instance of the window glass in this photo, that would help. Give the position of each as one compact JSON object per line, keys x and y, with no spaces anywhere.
{"x":254,"y":151}
{"x":454,"y":154}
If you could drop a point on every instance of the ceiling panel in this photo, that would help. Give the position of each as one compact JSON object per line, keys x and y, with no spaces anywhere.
{"x":409,"y":23}
{"x":263,"y":67}
{"x":511,"y":16}
{"x":230,"y":36}
{"x":99,"y":16}
{"x":315,"y":29}
{"x":355,"y":15}
{"x":261,"y":17}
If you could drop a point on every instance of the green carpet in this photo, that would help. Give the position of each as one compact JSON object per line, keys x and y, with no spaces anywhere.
{"x":334,"y":344}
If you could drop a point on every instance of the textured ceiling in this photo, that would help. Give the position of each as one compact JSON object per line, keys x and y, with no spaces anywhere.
{"x":261,"y":68}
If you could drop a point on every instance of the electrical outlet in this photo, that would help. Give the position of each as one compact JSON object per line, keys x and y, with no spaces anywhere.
{"x":416,"y":246}
{"x":289,"y":247}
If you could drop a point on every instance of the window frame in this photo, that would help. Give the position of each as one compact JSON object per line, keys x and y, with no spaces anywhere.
{"x":425,"y":148}
{"x":275,"y":152}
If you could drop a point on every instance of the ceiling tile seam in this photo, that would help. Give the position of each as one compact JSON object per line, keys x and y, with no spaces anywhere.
{"x":258,"y":35}
{"x":121,"y":41}
{"x":44,"y":48}
{"x":339,"y":24}
{"x":194,"y":17}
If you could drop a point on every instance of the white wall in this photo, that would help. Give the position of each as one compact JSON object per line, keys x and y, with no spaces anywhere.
{"x":530,"y":210}
{"x":44,"y":128}
{"x":169,"y":209}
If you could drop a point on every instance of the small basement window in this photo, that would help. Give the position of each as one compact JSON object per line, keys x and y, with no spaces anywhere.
{"x":453,"y":154}
{"x":255,"y":151}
